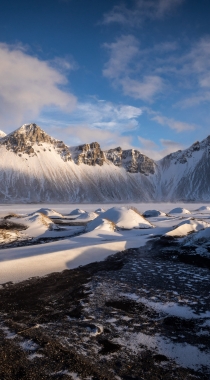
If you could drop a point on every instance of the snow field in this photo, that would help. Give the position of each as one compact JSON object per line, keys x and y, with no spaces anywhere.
{"x":114,"y":230}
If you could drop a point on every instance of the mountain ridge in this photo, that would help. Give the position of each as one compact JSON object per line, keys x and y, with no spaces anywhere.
{"x":35,"y":167}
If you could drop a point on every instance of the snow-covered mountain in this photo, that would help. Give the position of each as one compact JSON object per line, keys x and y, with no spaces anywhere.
{"x":185,"y":175}
{"x":35,"y":167}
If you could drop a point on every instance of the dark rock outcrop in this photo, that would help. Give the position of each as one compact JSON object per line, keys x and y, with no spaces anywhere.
{"x":132,"y":160}
{"x":89,"y":154}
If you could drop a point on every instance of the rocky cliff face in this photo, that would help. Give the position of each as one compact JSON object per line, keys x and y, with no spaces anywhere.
{"x":89,"y":154}
{"x":132,"y":160}
{"x":24,"y":140}
{"x":30,"y":138}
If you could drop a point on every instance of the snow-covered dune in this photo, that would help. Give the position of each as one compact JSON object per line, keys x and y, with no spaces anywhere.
{"x":153,"y":213}
{"x":125,"y":217}
{"x":100,"y":224}
{"x":77,"y":212}
{"x":204,"y":209}
{"x":186,"y":227}
{"x":49,"y":212}
{"x":179,"y":210}
{"x":87,"y":216}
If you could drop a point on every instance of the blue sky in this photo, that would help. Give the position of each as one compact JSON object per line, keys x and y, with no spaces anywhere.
{"x":132,"y":73}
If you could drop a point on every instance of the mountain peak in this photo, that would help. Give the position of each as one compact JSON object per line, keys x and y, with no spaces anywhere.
{"x":27,"y":128}
{"x":24,"y":139}
{"x":33,"y":132}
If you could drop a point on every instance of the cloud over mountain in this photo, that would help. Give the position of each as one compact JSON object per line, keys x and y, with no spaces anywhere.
{"x":28,"y":84}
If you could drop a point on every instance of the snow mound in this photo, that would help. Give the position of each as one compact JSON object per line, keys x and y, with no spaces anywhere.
{"x":153,"y":213}
{"x":126,"y":218}
{"x":37,"y":224}
{"x":204,"y":208}
{"x":49,"y":212}
{"x":77,"y":211}
{"x":87,"y":216}
{"x":188,"y":226}
{"x":179,"y":210}
{"x":100,"y":224}
{"x":99,"y":210}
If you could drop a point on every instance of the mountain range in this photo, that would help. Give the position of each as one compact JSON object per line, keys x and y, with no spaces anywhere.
{"x":34,"y":167}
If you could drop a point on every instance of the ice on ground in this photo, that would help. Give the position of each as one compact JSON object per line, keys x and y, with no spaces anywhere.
{"x":100,"y":224}
{"x":179,"y":210}
{"x":188,"y":226}
{"x":153,"y":213}
{"x":126,"y":218}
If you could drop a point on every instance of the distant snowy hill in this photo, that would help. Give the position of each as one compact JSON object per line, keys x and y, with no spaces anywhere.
{"x":35,"y":167}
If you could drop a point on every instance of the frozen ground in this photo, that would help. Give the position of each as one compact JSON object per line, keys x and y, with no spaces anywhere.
{"x":66,"y":208}
{"x":146,"y":304}
{"x":38,"y":241}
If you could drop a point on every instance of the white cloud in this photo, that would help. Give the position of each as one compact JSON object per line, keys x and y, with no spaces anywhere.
{"x":81,"y":134}
{"x":123,"y":69}
{"x":152,"y":150}
{"x":189,"y":68}
{"x":122,"y":53}
{"x":97,"y":120}
{"x":141,"y":11}
{"x":145,"y":89}
{"x":179,"y":126}
{"x":145,"y":73}
{"x":27,"y":86}
{"x":195,"y":100}
{"x":106,"y":115}
{"x":165,"y":47}
{"x":147,"y":144}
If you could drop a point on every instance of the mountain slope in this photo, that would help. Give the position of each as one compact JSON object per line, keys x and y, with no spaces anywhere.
{"x":34,"y":167}
{"x":184,"y":175}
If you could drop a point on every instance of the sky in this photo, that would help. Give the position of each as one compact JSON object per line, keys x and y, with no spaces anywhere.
{"x":129,"y":73}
